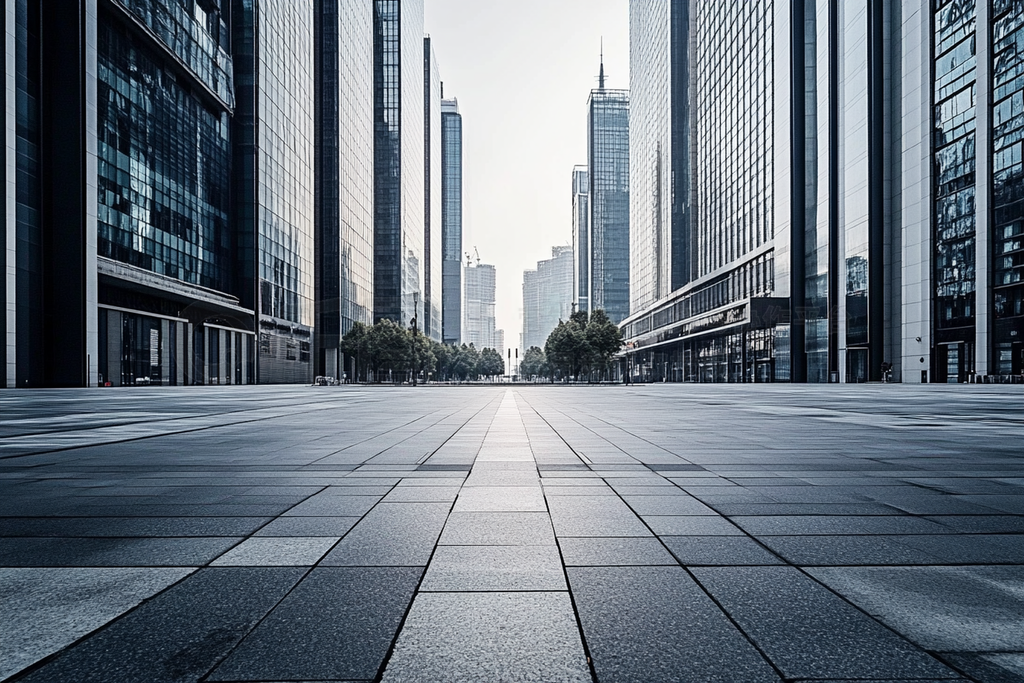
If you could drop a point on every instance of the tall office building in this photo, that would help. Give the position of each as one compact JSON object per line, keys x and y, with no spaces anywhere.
{"x":451,"y":220}
{"x":547,"y":296}
{"x":119,"y":252}
{"x":862,"y":216}
{"x":344,"y":177}
{"x":398,"y":160}
{"x":275,"y":134}
{"x":659,"y":149}
{"x":478,"y":325}
{"x":581,"y":238}
{"x":608,"y":175}
{"x":432,"y":194}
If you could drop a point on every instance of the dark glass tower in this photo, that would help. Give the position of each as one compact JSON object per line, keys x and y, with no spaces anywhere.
{"x":451,"y":218}
{"x":274,"y":190}
{"x":608,"y":166}
{"x":398,"y":159}
{"x":432,"y":195}
{"x":581,"y":238}
{"x":344,"y":176}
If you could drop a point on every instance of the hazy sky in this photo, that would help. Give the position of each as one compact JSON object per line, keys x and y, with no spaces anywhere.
{"x":522,"y":72}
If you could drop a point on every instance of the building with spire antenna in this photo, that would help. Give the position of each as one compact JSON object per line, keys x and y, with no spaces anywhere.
{"x":608,"y":202}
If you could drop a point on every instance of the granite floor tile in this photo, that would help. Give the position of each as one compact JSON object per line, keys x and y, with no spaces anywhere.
{"x":594,"y":516}
{"x":719,"y":551}
{"x":809,"y":632}
{"x":498,"y":528}
{"x":457,"y":637}
{"x":656,"y":624}
{"x":679,"y":504}
{"x":45,"y":610}
{"x":494,"y":568}
{"x":111,"y":552}
{"x":501,"y":499}
{"x":276,"y":552}
{"x":392,"y":535}
{"x":309,"y":526}
{"x":690,"y":525}
{"x":323,"y":630}
{"x":613,"y":552}
{"x":178,"y":636}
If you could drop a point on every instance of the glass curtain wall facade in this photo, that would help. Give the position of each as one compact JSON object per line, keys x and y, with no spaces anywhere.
{"x":478,"y":327}
{"x":398,"y":159}
{"x":659,"y":147}
{"x":1007,"y":93}
{"x":581,"y":238}
{"x":451,"y":219}
{"x":547,"y":296}
{"x":955,"y":230}
{"x":275,"y":193}
{"x":432,"y":197}
{"x":344,"y":176}
{"x":608,"y":174}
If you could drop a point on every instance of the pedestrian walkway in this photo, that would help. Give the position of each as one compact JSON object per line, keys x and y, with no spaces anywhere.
{"x":605,"y":534}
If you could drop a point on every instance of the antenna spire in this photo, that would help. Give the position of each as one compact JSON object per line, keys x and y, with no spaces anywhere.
{"x":600,"y":78}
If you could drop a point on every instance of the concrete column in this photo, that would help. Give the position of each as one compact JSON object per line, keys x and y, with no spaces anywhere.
{"x":180,"y":351}
{"x":983,"y":192}
{"x":165,"y":352}
{"x":114,"y":343}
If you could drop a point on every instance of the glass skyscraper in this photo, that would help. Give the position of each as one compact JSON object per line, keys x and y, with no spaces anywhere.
{"x":344,"y":176}
{"x":451,"y":218}
{"x":547,"y":296}
{"x":478,"y":325}
{"x":608,"y":175}
{"x":274,"y":191}
{"x":398,"y":159}
{"x":581,"y":238}
{"x":659,"y":148}
{"x":432,"y":195}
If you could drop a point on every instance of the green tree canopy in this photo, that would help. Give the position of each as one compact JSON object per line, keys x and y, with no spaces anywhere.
{"x":491,"y":363}
{"x":534,"y":363}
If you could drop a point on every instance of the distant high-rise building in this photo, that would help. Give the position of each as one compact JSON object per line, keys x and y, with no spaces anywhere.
{"x":608,"y":171}
{"x":451,"y":219}
{"x":478,"y":325}
{"x":547,"y":296}
{"x":581,"y":238}
{"x":274,"y":180}
{"x":432,"y":196}
{"x":659,"y":149}
{"x":344,"y":176}
{"x":398,"y":159}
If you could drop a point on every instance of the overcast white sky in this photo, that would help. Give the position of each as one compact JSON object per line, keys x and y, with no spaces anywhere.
{"x":522,"y":72}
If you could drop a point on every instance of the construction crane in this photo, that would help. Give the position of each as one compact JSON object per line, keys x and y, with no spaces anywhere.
{"x":469,"y":257}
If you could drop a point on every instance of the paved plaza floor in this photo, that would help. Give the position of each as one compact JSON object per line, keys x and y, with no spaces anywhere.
{"x":513,"y":533}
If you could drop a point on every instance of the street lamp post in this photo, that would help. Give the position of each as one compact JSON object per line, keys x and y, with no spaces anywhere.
{"x":415,"y":315}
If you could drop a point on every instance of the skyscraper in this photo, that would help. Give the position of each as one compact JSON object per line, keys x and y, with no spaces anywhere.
{"x":608,"y":170}
{"x":478,"y":325}
{"x":274,"y":190}
{"x":547,"y":296}
{"x":398,"y":159}
{"x":451,"y":218}
{"x":344,"y":176}
{"x":659,"y":149}
{"x":853,"y":208}
{"x":432,"y":196}
{"x":581,"y":238}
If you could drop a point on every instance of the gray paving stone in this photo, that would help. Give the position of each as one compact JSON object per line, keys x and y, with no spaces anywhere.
{"x":391,"y":535}
{"x":944,"y":609}
{"x":848,"y":550}
{"x":111,"y":552}
{"x":309,"y":526}
{"x":45,"y":610}
{"x":495,"y":568}
{"x":656,"y":624}
{"x":128,"y":527}
{"x":1005,"y":668}
{"x":456,"y":637}
{"x":422,"y":494}
{"x":613,"y":552}
{"x":323,"y":629}
{"x":719,"y":551}
{"x":808,"y":632}
{"x":501,"y":499}
{"x":799,"y":525}
{"x":334,"y":505}
{"x":677,"y":504}
{"x":691,"y":525}
{"x":179,"y":635}
{"x":498,"y":528}
{"x":594,"y":516}
{"x":276,"y":552}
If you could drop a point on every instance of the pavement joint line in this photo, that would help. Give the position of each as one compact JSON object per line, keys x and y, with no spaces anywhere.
{"x":452,"y":436}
